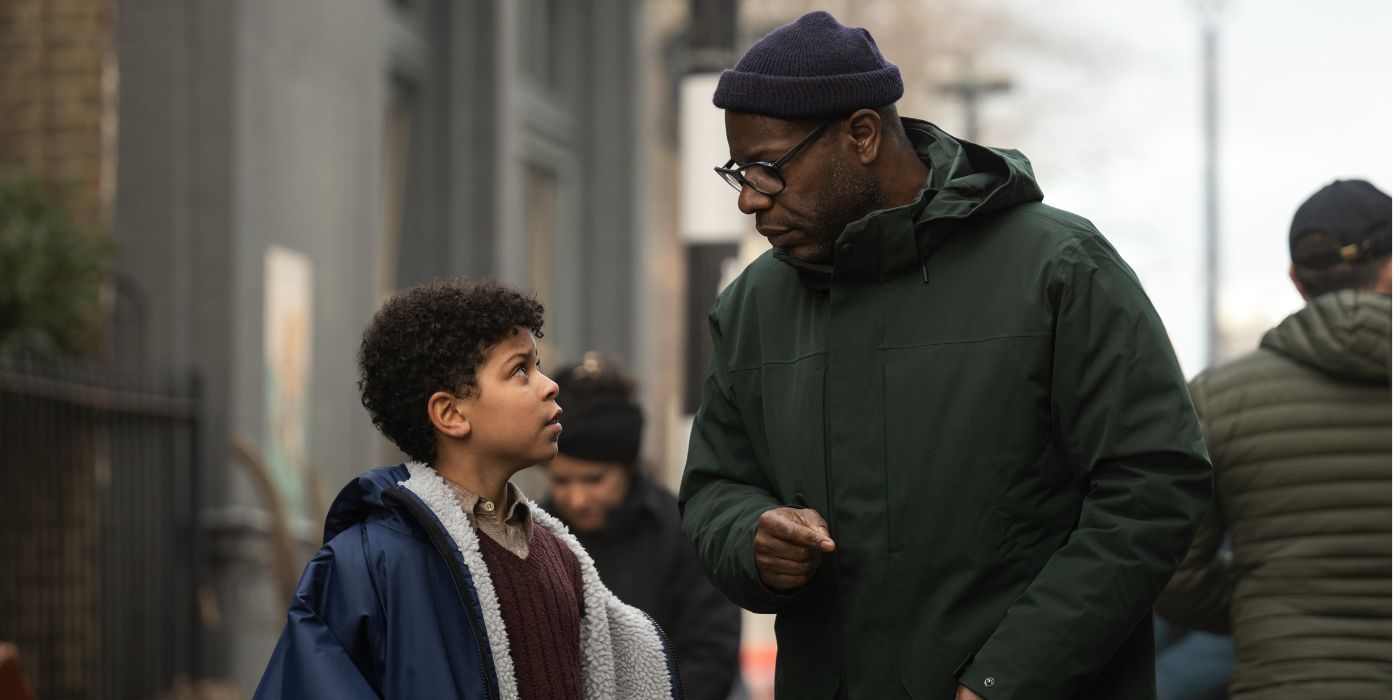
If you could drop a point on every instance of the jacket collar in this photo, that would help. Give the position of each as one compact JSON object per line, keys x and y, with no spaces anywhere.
{"x":610,"y":633}
{"x":964,"y":180}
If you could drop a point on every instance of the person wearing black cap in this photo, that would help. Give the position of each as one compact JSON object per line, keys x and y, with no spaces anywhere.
{"x":1300,"y":434}
{"x":1340,"y":239}
{"x":630,"y":526}
{"x":943,"y":434}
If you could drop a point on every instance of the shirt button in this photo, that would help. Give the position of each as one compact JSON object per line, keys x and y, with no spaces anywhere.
{"x":846,"y":248}
{"x":989,"y":681}
{"x":488,"y":506}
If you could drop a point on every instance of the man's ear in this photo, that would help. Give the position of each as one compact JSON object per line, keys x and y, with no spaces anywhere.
{"x":862,"y":131}
{"x":448,"y":414}
{"x":1293,"y":275}
{"x":1383,"y":282}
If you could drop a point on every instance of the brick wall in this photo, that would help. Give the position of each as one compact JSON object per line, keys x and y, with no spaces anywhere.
{"x":58,"y":97}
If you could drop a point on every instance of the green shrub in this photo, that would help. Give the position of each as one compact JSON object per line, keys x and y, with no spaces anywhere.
{"x":51,"y":272}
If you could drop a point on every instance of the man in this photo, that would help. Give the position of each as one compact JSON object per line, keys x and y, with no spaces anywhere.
{"x":631,"y":529}
{"x":1299,"y":431}
{"x":943,"y":434}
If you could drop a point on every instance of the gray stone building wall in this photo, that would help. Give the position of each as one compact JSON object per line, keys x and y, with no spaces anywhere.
{"x":374,"y":144}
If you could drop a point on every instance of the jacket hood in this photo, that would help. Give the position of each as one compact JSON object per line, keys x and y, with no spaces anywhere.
{"x":1344,"y":333}
{"x":363,"y":497}
{"x":965,"y":180}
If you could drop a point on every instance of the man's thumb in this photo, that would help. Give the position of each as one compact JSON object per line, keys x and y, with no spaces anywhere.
{"x":821,"y":538}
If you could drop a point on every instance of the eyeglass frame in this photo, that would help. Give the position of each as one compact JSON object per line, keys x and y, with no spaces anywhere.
{"x":737,"y":170}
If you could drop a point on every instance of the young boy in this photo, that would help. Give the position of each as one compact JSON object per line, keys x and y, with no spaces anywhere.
{"x":438,"y":578}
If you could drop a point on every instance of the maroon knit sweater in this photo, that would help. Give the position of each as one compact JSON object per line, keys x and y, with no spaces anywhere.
{"x":542,"y":601}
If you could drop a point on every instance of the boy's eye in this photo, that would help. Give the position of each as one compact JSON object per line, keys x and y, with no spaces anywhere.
{"x":522,"y":370}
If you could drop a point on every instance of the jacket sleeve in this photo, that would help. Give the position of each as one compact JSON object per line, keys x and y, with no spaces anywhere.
{"x":1198,"y":595}
{"x":1123,"y":419}
{"x":325,"y":649}
{"x":724,"y":491}
{"x":704,"y":628}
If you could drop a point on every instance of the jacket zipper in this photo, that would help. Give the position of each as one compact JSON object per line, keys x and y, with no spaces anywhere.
{"x":446,"y":549}
{"x":670,"y":655}
{"x":831,"y":515}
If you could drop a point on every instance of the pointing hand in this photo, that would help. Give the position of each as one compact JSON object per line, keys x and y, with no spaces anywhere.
{"x":788,"y":546}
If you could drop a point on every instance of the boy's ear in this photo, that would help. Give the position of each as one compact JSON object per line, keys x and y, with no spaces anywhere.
{"x":447,"y":414}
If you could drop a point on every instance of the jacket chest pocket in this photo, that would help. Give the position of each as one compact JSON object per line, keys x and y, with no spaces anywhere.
{"x":963,"y":422}
{"x":791,"y":409}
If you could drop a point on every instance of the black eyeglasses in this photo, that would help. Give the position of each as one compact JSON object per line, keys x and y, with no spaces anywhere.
{"x":762,"y":175}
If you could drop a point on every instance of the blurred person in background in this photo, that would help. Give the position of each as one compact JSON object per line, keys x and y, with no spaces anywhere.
{"x":880,"y":455}
{"x":1300,"y":434}
{"x":1191,"y":664}
{"x":631,"y":527}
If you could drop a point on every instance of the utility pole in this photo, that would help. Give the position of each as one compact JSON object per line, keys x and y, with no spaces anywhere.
{"x":1210,"y":30}
{"x":970,"y":89}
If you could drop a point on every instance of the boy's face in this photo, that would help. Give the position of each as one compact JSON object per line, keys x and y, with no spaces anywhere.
{"x":513,"y":417}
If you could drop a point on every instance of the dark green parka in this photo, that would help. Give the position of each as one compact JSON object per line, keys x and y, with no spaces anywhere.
{"x":981,"y":401}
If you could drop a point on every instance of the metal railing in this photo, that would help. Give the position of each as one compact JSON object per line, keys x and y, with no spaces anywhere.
{"x":97,"y":529}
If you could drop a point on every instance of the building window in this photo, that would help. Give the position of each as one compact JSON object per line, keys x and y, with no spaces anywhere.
{"x":393,"y":181}
{"x":543,"y":45}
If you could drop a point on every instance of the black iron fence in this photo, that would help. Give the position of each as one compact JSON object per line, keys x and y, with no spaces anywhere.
{"x":97,"y":530}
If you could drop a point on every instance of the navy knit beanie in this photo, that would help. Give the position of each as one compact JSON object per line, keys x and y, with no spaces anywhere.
{"x":813,"y":67}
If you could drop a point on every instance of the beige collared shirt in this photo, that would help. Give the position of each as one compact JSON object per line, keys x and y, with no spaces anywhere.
{"x":514,"y":534}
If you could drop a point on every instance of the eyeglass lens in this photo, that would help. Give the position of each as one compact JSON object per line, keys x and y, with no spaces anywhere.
{"x":761,"y":177}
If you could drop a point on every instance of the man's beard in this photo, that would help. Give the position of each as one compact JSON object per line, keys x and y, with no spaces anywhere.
{"x":850,"y":194}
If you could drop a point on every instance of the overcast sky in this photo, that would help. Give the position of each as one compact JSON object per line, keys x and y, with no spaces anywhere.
{"x":1111,"y":120}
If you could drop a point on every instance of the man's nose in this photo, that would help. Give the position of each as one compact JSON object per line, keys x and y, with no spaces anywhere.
{"x":751,"y":200}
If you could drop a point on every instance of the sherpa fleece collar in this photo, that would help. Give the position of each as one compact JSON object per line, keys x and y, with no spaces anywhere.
{"x":624,"y":651}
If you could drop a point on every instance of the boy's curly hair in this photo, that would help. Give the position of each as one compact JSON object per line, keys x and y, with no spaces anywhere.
{"x":431,"y":338}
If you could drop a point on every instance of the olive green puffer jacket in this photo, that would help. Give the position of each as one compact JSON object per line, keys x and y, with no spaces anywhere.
{"x":1299,"y":432}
